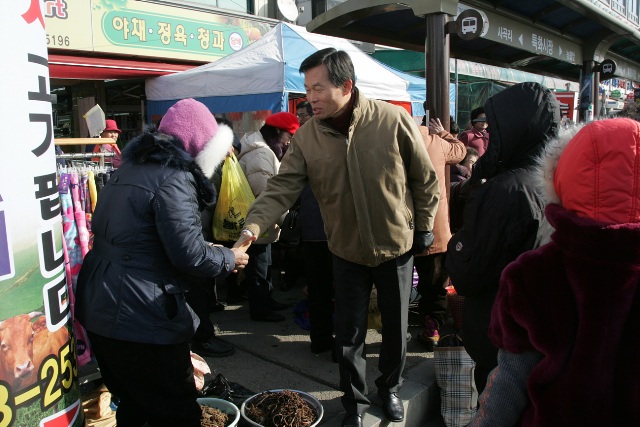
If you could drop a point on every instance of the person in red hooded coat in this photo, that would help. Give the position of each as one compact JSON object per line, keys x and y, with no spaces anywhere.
{"x":566,"y":315}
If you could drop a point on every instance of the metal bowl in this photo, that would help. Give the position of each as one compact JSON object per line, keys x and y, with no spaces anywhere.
{"x":315,"y":404}
{"x":222,"y":405}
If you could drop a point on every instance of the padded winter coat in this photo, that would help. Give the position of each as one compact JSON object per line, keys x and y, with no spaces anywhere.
{"x":148,"y":247}
{"x":575,"y":302}
{"x":502,"y":216}
{"x":443,"y":150}
{"x":259,"y":163}
{"x":374,"y":186}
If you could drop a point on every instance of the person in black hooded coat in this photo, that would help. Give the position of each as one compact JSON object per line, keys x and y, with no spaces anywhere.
{"x":148,"y":250}
{"x":501,"y":216}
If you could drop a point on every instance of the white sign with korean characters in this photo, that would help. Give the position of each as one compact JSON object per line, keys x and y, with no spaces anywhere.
{"x":38,"y":364}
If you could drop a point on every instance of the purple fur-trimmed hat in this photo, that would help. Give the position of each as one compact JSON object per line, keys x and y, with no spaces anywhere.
{"x":192,"y":123}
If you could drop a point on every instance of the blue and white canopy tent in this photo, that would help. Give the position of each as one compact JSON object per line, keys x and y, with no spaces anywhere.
{"x":264,"y":74}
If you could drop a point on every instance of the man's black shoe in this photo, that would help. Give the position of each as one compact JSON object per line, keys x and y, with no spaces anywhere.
{"x":213,"y":347}
{"x":392,"y":406}
{"x":277,"y":306}
{"x":269,"y":316}
{"x":352,"y":420}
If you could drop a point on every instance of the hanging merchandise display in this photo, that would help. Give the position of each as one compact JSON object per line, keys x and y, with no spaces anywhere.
{"x":78,"y":187}
{"x":38,"y":367}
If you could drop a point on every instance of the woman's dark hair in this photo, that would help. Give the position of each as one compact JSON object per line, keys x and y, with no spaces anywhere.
{"x":224,"y":121}
{"x":476,"y":112}
{"x":271,"y":136}
{"x":453,"y":126}
{"x":236,"y":141}
{"x":338,"y":63}
{"x":470,"y":152}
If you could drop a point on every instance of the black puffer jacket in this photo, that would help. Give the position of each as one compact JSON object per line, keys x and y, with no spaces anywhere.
{"x":502,"y":216}
{"x":148,"y":246}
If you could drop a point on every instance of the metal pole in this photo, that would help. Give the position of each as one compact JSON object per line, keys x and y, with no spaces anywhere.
{"x":437,"y":68}
{"x":436,"y":48}
{"x":455,"y":113}
{"x":595,"y":95}
{"x":588,"y":86}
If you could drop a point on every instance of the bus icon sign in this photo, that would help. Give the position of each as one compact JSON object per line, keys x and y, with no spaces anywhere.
{"x":607,"y":69}
{"x":469,"y":25}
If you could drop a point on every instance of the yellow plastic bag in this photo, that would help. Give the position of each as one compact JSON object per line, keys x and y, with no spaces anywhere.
{"x":234,"y":201}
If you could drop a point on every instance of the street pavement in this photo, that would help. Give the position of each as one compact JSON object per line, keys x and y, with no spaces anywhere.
{"x":277,"y":356}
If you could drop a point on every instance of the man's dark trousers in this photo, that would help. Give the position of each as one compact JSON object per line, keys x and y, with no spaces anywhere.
{"x":353,"y":285}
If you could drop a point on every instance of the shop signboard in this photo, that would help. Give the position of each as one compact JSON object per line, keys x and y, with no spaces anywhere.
{"x":38,"y":368}
{"x":132,"y":27}
{"x":68,"y":24}
{"x":526,"y":37}
{"x":568,"y":104}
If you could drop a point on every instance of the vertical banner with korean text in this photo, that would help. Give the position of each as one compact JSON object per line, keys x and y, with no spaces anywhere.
{"x":38,"y":369}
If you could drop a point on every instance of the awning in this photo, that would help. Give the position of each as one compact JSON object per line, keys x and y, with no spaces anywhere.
{"x":90,"y":68}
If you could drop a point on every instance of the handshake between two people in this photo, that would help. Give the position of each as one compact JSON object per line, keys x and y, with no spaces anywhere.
{"x":240,"y":247}
{"x":422,"y":240}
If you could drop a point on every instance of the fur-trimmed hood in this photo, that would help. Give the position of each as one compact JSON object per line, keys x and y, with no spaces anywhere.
{"x":155,"y":147}
{"x":592,"y":170}
{"x":547,"y":162}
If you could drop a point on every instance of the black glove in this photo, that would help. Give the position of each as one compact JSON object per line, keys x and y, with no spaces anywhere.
{"x":421,"y":242}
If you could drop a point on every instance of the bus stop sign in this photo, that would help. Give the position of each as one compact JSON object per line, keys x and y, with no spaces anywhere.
{"x":471,"y":24}
{"x":607,"y":69}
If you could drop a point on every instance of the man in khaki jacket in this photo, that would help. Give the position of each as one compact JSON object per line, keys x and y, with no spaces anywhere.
{"x":378,"y":194}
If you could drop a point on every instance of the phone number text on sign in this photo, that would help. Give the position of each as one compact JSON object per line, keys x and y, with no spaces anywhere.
{"x":53,"y":40}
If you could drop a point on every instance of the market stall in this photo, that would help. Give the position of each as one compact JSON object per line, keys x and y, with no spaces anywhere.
{"x":264,"y":76}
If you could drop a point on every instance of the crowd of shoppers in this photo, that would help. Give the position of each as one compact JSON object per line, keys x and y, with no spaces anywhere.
{"x":372,"y":188}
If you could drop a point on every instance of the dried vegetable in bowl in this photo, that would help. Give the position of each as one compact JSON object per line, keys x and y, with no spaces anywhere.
{"x":213,"y":417}
{"x":281,"y":409}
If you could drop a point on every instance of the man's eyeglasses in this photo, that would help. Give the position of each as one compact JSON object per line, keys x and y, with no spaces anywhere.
{"x":302,"y":115}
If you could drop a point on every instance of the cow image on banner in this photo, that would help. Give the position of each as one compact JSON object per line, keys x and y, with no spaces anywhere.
{"x":38,"y":368}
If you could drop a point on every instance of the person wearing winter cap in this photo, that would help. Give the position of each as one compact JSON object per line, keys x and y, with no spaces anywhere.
{"x":477,"y":136}
{"x":260,"y":160}
{"x":148,"y":249}
{"x":566,"y":315}
{"x":110,"y":131}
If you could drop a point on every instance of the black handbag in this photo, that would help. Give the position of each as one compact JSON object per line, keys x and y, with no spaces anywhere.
{"x":290,"y":232}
